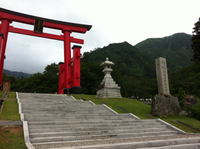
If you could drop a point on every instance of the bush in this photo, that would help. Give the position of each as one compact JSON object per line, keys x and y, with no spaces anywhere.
{"x":194,"y":111}
{"x":181,"y":95}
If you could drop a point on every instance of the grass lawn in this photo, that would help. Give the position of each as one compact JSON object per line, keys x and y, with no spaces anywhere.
{"x":11,"y":137}
{"x":140,"y":109}
{"x":10,"y":109}
{"x":1,"y":94}
{"x":11,"y":95}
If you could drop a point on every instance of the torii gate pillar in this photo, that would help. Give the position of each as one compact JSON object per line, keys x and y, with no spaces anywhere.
{"x":5,"y":22}
{"x":67,"y":59}
{"x":76,"y":89}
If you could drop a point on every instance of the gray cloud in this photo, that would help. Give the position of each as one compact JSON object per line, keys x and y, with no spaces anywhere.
{"x":113,"y":21}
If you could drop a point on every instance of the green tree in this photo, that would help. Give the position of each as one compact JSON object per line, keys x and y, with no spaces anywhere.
{"x":196,"y":42}
{"x":181,"y":95}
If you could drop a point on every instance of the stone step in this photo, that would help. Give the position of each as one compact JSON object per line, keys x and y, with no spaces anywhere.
{"x":64,"y":114}
{"x":99,"y":128}
{"x":96,"y":132}
{"x":62,"y":106}
{"x":90,"y":121}
{"x":179,"y":146}
{"x":100,"y":136}
{"x":45,"y":117}
{"x":164,"y":142}
{"x":73,"y":119}
{"x":39,"y":111}
{"x":52,"y":104}
{"x":73,"y":126}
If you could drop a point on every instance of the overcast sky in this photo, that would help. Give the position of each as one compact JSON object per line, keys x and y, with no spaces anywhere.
{"x":112,"y":21}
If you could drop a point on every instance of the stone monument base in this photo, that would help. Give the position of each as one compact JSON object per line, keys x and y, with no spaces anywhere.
{"x":165,"y":105}
{"x":107,"y":92}
{"x":73,"y":90}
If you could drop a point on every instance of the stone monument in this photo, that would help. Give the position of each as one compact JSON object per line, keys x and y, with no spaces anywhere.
{"x":164,"y":103}
{"x":108,"y":88}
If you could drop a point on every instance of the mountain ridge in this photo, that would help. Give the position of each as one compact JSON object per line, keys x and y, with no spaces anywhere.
{"x":16,"y":74}
{"x":139,"y":60}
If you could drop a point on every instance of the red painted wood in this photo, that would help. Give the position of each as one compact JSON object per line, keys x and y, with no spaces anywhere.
{"x":76,"y":65}
{"x":4,"y":30}
{"x":67,"y":57}
{"x":30,"y":21}
{"x":61,"y":84}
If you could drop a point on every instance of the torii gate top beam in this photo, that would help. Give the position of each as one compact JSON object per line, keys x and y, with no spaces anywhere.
{"x":54,"y":24}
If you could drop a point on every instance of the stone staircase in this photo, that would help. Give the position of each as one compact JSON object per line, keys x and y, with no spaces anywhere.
{"x":59,"y":121}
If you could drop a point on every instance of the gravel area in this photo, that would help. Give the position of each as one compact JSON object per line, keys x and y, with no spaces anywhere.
{"x":113,"y":141}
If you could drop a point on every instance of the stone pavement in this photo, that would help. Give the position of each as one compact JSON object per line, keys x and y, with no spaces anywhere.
{"x":59,"y":121}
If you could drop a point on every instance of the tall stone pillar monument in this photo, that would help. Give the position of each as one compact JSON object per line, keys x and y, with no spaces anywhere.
{"x":108,"y":88}
{"x":162,"y":76}
{"x":164,"y":103}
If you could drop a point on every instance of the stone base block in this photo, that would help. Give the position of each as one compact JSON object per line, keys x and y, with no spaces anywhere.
{"x":165,"y":105}
{"x":73,"y":90}
{"x":67,"y":91}
{"x":76,"y":90}
{"x":109,"y":93}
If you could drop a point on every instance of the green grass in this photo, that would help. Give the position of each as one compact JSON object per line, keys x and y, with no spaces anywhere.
{"x":11,"y":95}
{"x":140,"y":109}
{"x":10,"y":108}
{"x":10,"y":111}
{"x":12,"y":138}
{"x":1,"y":94}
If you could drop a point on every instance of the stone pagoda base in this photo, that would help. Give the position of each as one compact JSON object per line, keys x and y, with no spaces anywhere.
{"x":107,"y":92}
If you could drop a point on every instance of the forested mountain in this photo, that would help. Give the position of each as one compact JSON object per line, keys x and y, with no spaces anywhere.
{"x":16,"y":74}
{"x":139,"y":60}
{"x":175,"y":48}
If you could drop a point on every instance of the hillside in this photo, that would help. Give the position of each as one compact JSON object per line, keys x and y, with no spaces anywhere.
{"x":127,"y":58}
{"x":16,"y":74}
{"x":188,"y":79}
{"x":175,"y":48}
{"x":139,"y":60}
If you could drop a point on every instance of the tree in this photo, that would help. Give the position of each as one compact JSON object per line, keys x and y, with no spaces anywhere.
{"x":196,"y":42}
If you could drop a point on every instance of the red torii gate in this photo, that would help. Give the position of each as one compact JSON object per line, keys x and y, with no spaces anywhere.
{"x":69,"y":82}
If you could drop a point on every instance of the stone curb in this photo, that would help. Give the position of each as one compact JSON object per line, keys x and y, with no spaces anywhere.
{"x":169,"y":125}
{"x":110,"y":109}
{"x":131,"y":114}
{"x":73,"y":97}
{"x":11,"y":123}
{"x":25,"y":126}
{"x":91,"y":102}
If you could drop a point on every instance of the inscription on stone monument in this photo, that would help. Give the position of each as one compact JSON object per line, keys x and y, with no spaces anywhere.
{"x":38,"y":25}
{"x":162,"y":76}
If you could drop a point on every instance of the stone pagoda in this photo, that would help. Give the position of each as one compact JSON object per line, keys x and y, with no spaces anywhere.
{"x":108,"y":88}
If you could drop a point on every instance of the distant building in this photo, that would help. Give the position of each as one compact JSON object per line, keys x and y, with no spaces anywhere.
{"x":6,"y":86}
